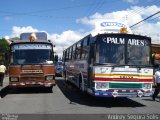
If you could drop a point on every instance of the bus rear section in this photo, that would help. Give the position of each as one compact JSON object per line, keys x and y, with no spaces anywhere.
{"x":31,"y":62}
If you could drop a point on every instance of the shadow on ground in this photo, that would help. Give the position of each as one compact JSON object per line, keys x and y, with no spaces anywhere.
{"x":150,"y":99}
{"x":30,"y":90}
{"x":77,"y":97}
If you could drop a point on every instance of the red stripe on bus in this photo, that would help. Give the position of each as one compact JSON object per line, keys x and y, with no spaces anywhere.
{"x":122,"y":79}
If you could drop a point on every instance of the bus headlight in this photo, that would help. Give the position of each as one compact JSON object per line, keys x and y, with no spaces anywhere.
{"x":146,"y":85}
{"x":51,"y":77}
{"x":101,"y":85}
{"x":13,"y":79}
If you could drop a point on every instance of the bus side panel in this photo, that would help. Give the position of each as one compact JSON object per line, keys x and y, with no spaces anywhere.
{"x":14,"y":70}
{"x":49,"y":70}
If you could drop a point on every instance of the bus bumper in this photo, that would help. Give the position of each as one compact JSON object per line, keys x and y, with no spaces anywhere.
{"x":123,"y":93}
{"x":33,"y":84}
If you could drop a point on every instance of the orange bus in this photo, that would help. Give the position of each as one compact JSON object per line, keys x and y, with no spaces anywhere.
{"x":31,"y":61}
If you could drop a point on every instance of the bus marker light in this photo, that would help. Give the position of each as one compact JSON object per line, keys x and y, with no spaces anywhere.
{"x":140,"y":94}
{"x":22,"y":84}
{"x":96,"y":93}
{"x":115,"y":94}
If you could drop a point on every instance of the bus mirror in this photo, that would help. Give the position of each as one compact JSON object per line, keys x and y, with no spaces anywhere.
{"x":92,"y":54}
{"x":6,"y":56}
{"x":56,"y":58}
{"x":92,"y":49}
{"x":153,"y":59}
{"x":156,"y":65}
{"x":49,"y":62}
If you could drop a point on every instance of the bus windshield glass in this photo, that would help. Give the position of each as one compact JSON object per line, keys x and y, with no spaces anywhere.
{"x":31,"y":56}
{"x":31,"y":53}
{"x":138,"y":55}
{"x":122,"y":49}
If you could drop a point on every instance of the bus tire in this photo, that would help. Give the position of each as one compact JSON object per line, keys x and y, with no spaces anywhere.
{"x":65,"y":76}
{"x":50,"y":89}
{"x":80,"y":82}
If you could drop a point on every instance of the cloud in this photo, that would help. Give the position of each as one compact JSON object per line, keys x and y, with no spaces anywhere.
{"x":16,"y":31}
{"x":62,"y":41}
{"x":6,"y":37}
{"x":131,"y":16}
{"x":131,"y":1}
{"x":65,"y":39}
{"x":149,"y":29}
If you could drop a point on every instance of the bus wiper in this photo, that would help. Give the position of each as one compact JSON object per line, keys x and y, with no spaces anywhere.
{"x":110,"y":64}
{"x":141,"y":66}
{"x":117,"y":65}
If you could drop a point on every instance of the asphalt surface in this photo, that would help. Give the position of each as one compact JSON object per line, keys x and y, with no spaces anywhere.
{"x":66,"y":99}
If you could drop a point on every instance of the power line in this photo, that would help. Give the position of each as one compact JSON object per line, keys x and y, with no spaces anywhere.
{"x":145,"y":19}
{"x":145,"y":3}
{"x":51,"y":9}
{"x":144,"y":23}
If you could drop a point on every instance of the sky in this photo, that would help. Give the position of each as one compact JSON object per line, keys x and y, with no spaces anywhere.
{"x":67,"y":21}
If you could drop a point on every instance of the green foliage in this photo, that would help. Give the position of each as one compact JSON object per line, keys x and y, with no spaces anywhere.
{"x":4,"y":45}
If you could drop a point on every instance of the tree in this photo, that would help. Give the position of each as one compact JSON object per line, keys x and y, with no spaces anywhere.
{"x":4,"y":45}
{"x":4,"y":50}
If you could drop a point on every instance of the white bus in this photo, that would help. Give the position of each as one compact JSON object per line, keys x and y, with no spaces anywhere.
{"x":110,"y":64}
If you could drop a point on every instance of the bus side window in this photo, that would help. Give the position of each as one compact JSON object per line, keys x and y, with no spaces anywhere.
{"x":70,"y":53}
{"x":85,"y":49}
{"x":92,"y":54}
{"x":74,"y":52}
{"x":66,"y":55}
{"x":78,"y":50}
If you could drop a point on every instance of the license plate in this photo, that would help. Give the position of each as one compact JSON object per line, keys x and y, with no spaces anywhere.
{"x":47,"y":85}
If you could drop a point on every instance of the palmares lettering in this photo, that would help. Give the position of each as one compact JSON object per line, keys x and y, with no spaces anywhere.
{"x":115,"y":40}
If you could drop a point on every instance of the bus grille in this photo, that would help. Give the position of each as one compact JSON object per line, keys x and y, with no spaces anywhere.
{"x":125,"y":85}
{"x":27,"y":79}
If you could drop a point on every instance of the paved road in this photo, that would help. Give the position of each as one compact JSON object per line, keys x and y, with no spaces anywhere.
{"x":65,"y":99}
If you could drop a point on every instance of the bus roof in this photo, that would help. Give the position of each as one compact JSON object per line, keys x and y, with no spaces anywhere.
{"x":110,"y":26}
{"x":39,"y":35}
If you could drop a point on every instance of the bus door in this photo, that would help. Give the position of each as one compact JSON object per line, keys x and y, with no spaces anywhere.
{"x":90,"y":65}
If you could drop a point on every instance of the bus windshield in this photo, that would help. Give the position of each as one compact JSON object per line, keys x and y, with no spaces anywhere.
{"x":110,"y":54}
{"x":122,"y":50}
{"x":138,"y":55}
{"x":31,"y":56}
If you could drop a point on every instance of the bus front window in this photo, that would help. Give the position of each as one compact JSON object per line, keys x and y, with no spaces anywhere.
{"x":110,"y":53}
{"x":138,"y":55}
{"x":121,"y":54}
{"x":31,"y":56}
